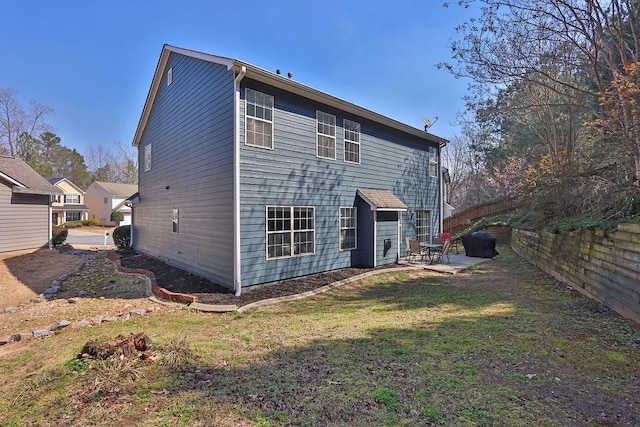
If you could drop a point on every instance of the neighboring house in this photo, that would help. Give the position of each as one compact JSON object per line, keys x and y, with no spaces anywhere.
{"x":25,"y":199}
{"x":248,"y":177}
{"x":70,"y":205}
{"x":103,"y":198}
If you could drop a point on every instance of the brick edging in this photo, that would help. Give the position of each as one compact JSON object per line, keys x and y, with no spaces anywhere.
{"x":157,"y":290}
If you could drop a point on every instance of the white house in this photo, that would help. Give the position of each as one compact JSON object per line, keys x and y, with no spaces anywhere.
{"x":103,"y":198}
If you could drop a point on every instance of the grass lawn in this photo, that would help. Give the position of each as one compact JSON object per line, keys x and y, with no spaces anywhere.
{"x":502,"y":344}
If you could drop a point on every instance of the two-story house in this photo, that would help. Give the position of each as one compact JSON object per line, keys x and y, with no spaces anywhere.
{"x":104,"y":198}
{"x":248,"y":177}
{"x":70,"y":205}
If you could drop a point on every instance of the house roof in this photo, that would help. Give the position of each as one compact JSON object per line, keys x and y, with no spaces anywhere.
{"x":276,"y":80}
{"x":116,"y":189}
{"x":56,"y":180}
{"x":381,"y":200}
{"x":23,"y":179}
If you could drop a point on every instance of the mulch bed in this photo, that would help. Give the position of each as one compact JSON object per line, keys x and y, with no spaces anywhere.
{"x":177,"y":280}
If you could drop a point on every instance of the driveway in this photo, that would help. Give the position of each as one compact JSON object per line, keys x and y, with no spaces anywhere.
{"x":84,"y":237}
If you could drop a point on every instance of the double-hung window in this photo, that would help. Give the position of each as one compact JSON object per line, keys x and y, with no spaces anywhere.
{"x":423,"y":225}
{"x":351,"y":141}
{"x":326,"y":139}
{"x":347,"y":229}
{"x":433,"y":162}
{"x":72,"y":199}
{"x":290,"y":231}
{"x":258,"y":119}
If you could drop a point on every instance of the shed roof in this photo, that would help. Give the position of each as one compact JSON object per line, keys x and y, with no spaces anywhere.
{"x":23,"y":179}
{"x":276,"y":80}
{"x":381,"y":200}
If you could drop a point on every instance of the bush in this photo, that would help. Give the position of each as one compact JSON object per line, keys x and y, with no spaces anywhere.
{"x":72,"y":224}
{"x":58,"y":235}
{"x":117,"y":216}
{"x":89,"y":222}
{"x":122,"y":236}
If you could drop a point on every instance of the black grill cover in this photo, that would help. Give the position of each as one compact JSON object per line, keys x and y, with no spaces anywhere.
{"x":481,"y":245}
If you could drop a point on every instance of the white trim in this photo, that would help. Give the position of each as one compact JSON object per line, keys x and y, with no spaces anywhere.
{"x":237,"y":258}
{"x":319,"y":134}
{"x":11,"y":180}
{"x":276,"y":81}
{"x":355,"y":229}
{"x":345,"y":141}
{"x":259,"y":119}
{"x":375,"y":238}
{"x":292,"y":231}
{"x":169,"y":76}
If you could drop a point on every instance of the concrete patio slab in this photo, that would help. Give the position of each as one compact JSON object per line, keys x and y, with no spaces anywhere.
{"x":458,"y":262}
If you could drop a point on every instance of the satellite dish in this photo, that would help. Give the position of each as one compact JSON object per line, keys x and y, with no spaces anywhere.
{"x":428,"y":123}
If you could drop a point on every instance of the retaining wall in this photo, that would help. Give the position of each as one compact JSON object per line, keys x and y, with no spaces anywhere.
{"x":603,"y":265}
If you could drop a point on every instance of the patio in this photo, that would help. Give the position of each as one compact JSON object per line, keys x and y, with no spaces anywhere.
{"x":458,"y":262}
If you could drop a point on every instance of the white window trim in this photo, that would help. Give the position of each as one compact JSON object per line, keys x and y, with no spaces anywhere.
{"x":175,"y":221}
{"x":169,"y":76}
{"x":292,"y":231}
{"x":433,"y":160}
{"x":344,"y":128}
{"x":355,"y":228}
{"x":259,"y":119}
{"x":69,"y":195}
{"x":147,"y":157}
{"x":428,"y":226}
{"x":335,"y":147}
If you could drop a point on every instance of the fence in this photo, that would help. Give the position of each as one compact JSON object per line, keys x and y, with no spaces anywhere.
{"x":458,"y":222}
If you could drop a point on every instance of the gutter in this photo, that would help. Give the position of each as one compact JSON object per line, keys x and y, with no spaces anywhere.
{"x":237,"y":264}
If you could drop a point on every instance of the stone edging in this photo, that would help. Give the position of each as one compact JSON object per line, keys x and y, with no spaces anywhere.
{"x":191,"y":301}
{"x":155,"y":289}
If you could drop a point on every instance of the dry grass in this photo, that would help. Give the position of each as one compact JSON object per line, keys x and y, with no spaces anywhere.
{"x":503,"y":345}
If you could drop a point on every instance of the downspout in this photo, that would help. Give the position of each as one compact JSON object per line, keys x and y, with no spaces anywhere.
{"x":237,"y":263}
{"x":49,"y":221}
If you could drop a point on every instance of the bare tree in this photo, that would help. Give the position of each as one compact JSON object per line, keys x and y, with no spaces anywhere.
{"x":16,"y":121}
{"x":116,"y":163}
{"x":515,"y":40}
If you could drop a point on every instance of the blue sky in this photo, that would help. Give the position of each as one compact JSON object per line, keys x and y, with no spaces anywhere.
{"x":92,"y":62}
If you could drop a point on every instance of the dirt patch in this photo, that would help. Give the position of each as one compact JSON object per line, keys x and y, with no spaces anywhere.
{"x":177,"y":280}
{"x":26,"y":274}
{"x":90,"y":286}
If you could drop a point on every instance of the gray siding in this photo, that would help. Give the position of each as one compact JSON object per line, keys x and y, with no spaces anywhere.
{"x":191,"y":128}
{"x":25,"y":220}
{"x":291,"y":174}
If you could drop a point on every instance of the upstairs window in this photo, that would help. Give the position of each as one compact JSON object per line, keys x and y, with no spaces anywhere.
{"x":351,"y":141}
{"x":290,"y":231}
{"x":347,"y":229}
{"x":433,"y":162}
{"x":326,"y":143}
{"x":258,"y":119}
{"x":72,"y":198}
{"x":147,"y":157}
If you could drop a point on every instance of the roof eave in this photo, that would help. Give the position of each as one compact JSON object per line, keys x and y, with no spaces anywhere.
{"x":278,"y":81}
{"x":292,"y":86}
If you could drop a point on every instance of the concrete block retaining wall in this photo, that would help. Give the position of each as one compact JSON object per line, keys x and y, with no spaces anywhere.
{"x":603,"y":265}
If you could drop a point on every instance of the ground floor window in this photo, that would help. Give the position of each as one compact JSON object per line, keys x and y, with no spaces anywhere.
{"x":290,"y":231}
{"x":175,"y":221}
{"x":347,"y":229}
{"x":72,"y":216}
{"x":423,"y":225}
